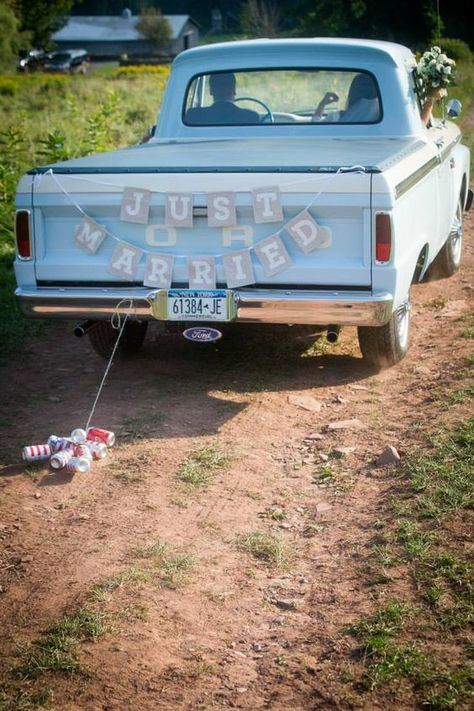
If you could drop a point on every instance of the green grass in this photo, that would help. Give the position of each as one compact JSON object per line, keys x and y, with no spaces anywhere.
{"x":389,"y":661}
{"x":130,"y":578}
{"x":423,"y":644}
{"x":386,"y":623}
{"x":172,"y":565}
{"x":45,"y":119}
{"x":55,"y":651}
{"x":265,"y":547}
{"x":15,"y":330}
{"x":442,"y":482}
{"x":468,"y":332}
{"x":202,"y":465}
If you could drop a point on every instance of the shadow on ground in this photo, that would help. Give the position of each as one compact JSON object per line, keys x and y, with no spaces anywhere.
{"x":171,"y":388}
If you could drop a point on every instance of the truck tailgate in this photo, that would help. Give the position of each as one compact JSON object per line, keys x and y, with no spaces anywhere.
{"x":338,"y":201}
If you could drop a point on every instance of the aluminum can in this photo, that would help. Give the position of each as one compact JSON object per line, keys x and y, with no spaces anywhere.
{"x":97,"y":449}
{"x":61,"y":458}
{"x":78,"y":435}
{"x":78,"y":464}
{"x":57,"y":444}
{"x":104,"y":436}
{"x":36,"y":452}
{"x":82,"y":450}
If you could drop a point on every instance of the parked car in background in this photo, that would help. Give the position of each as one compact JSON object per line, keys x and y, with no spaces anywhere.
{"x":32,"y":61}
{"x":73,"y":61}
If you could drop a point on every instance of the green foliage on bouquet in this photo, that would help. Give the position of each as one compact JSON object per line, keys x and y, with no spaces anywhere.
{"x":436,"y":69}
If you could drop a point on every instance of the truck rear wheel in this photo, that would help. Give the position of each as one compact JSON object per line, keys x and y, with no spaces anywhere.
{"x":383,"y":346}
{"x":103,"y":338}
{"x":448,"y":259}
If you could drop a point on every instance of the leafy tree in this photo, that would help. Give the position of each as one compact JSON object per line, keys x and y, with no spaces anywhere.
{"x":11,"y":39}
{"x":411,"y":22}
{"x":41,"y":18}
{"x":154,"y":27}
{"x":260,"y":18}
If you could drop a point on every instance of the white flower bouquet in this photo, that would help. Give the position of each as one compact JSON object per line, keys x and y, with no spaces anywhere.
{"x":436,"y":69}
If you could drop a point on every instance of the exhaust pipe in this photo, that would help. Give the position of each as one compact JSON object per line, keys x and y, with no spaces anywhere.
{"x":332,"y":334}
{"x":80,"y":329}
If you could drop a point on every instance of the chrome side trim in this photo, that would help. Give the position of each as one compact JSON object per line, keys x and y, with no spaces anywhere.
{"x":409,"y":182}
{"x":257,"y":305}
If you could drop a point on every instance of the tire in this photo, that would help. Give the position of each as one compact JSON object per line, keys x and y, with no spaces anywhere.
{"x":383,"y":346}
{"x":103,"y":338}
{"x":448,"y":259}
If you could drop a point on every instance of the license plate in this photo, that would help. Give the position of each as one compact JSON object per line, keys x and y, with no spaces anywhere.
{"x":193,"y":305}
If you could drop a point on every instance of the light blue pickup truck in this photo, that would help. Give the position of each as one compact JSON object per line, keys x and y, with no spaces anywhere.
{"x":286,"y":181}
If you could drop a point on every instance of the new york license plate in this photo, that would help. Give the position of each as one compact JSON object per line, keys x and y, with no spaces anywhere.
{"x":194,"y":305}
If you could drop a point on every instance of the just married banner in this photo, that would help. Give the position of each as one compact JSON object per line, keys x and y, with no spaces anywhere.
{"x":238,"y":266}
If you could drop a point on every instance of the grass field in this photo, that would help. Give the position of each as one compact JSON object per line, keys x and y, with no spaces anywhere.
{"x":48,"y":118}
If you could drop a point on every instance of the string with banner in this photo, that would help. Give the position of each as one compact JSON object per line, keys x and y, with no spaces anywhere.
{"x":267,"y":205}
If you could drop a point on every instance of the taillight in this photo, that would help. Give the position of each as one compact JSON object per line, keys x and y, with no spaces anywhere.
{"x":383,"y":237}
{"x":23,"y":236}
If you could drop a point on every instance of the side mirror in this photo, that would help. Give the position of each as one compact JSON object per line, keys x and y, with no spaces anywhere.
{"x":454,"y":108}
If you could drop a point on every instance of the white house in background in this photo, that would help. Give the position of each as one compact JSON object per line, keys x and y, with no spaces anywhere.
{"x":113,"y":35}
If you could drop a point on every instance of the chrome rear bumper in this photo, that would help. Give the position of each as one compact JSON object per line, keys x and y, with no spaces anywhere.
{"x":345,"y":308}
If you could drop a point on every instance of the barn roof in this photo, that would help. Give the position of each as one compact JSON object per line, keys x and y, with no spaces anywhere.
{"x":103,"y":28}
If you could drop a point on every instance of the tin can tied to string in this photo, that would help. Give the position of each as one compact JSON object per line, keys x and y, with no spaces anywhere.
{"x":36,"y":453}
{"x":58,"y":444}
{"x":80,"y":465}
{"x":61,"y":458}
{"x":78,"y":436}
{"x":97,"y":449}
{"x":82,"y":450}
{"x":97,"y":435}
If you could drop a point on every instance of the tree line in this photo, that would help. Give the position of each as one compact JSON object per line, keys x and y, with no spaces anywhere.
{"x":30,"y":23}
{"x":412,"y":22}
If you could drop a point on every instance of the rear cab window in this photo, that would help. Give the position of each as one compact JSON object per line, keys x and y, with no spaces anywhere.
{"x":282,"y":96}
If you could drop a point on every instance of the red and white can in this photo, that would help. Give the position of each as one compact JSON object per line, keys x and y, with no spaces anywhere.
{"x":98,"y":435}
{"x":57,"y":444}
{"x":79,"y":464}
{"x":97,"y":449}
{"x":82,"y":450}
{"x":36,"y":452}
{"x":61,"y":458}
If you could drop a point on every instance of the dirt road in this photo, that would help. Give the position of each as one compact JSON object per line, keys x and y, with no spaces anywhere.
{"x":202,"y":623}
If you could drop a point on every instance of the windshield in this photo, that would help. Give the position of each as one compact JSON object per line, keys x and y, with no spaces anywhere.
{"x":61,"y":57}
{"x":282,"y":96}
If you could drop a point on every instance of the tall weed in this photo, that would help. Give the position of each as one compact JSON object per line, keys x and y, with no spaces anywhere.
{"x":13,"y":159}
{"x":102,"y":125}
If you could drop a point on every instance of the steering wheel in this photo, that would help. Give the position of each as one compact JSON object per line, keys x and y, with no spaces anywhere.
{"x":268,"y":115}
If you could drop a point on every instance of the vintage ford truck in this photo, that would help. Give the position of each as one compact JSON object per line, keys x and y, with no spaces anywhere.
{"x":287,"y":181}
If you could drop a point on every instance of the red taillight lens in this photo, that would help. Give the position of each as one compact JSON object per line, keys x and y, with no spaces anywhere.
{"x":23,"y":237}
{"x":383,"y":238}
